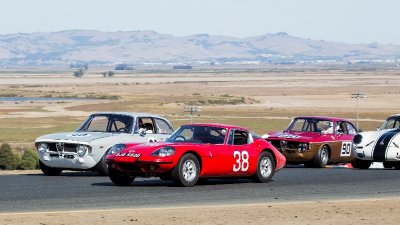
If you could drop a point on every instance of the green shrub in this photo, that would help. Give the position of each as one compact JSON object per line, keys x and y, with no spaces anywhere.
{"x":30,"y":160}
{"x":8,"y":160}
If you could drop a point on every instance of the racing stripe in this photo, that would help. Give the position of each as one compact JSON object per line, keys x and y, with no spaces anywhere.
{"x":382,"y":144}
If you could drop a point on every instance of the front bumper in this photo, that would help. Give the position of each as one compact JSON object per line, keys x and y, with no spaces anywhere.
{"x":67,"y":161}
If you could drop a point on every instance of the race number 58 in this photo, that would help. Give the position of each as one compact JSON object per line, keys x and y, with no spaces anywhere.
{"x":346,"y":149}
{"x":242,"y":161}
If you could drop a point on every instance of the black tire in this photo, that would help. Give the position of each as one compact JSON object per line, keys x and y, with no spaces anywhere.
{"x":166,"y":177}
{"x":321,"y":159}
{"x":265,"y":168}
{"x":396,"y":166}
{"x":186,"y":173}
{"x":388,"y":165}
{"x":49,"y":171}
{"x":361,"y":164}
{"x":120,"y":178}
{"x":102,"y":167}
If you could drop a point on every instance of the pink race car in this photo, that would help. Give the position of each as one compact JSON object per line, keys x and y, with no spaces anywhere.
{"x":197,"y":151}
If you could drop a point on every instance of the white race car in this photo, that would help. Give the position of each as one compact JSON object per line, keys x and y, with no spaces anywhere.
{"x":379,"y":146}
{"x":85,"y":149}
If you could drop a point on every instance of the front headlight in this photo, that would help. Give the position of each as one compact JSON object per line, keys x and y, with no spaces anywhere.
{"x":42,"y":147}
{"x":81,"y":150}
{"x":116,"y":148}
{"x":164,"y":151}
{"x":357,"y":139}
{"x":302,"y":147}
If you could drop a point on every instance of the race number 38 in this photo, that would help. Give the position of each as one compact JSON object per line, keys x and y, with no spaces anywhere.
{"x":242,"y":161}
{"x":346,"y":149}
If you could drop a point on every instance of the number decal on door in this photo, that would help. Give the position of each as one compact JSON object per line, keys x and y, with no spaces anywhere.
{"x":346,"y":148}
{"x":242,"y":161}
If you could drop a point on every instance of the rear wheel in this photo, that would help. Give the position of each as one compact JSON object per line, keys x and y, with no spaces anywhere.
{"x":187,"y":171}
{"x":361,"y":164}
{"x":49,"y":171}
{"x":265,"y":168}
{"x":102,"y":167}
{"x":321,"y":159}
{"x":120,"y":178}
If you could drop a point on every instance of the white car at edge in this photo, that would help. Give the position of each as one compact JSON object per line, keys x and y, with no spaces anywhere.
{"x":382,"y":145}
{"x":85,"y":148}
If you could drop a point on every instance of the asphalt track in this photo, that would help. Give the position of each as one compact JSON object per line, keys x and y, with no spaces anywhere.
{"x":84,"y":190}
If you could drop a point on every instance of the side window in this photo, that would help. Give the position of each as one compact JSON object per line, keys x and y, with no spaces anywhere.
{"x":341,"y":128}
{"x":163,"y":127}
{"x":351,"y":128}
{"x":145,"y":123}
{"x":238,"y":137}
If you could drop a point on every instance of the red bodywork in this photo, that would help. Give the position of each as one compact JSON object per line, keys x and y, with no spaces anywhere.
{"x":216,"y":160}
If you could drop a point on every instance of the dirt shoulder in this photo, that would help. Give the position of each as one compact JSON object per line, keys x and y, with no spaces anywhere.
{"x":371,"y":211}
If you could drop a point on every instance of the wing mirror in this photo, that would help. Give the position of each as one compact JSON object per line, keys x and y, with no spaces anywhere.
{"x":142,"y":132}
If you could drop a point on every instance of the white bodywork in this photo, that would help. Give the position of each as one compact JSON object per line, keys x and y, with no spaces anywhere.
{"x":98,"y":142}
{"x":379,"y":146}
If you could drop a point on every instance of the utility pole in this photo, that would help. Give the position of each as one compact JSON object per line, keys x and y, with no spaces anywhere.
{"x":357,"y":96}
{"x":191,"y":109}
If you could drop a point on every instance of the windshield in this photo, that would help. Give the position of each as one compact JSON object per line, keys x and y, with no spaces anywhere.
{"x":199,"y":134}
{"x":390,"y":123}
{"x":108,"y":123}
{"x":311,"y":125}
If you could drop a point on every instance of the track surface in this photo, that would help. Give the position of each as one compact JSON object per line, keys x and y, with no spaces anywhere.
{"x":75,"y":191}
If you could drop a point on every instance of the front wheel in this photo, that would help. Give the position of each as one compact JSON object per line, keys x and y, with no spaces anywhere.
{"x":119,"y":178}
{"x":321,"y":159}
{"x":361,"y":164}
{"x":265,"y":168}
{"x":49,"y":171}
{"x":186,"y":173}
{"x":388,"y":165}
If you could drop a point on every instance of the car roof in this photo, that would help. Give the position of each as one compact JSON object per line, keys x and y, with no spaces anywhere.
{"x":324,"y":118}
{"x":216,"y":125}
{"x":394,"y":115}
{"x":133,"y":114}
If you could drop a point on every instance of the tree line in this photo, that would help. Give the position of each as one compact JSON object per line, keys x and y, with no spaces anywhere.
{"x":14,"y":161}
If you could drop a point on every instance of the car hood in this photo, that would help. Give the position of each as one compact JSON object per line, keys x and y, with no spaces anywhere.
{"x":152,"y":146}
{"x":292,"y":135}
{"x":86,"y":137}
{"x":369,"y":136}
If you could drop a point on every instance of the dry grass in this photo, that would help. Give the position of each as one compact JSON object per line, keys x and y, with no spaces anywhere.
{"x":263,"y":101}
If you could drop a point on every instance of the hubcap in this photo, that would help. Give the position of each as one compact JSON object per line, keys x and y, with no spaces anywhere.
{"x":265,"y":167}
{"x":189,"y":170}
{"x":324,"y":156}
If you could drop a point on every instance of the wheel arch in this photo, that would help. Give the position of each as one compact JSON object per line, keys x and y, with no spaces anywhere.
{"x":197,"y":155}
{"x":272,"y":153}
{"x":329,"y":150}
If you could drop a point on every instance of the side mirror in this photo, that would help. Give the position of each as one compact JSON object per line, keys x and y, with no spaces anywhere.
{"x":142,"y":132}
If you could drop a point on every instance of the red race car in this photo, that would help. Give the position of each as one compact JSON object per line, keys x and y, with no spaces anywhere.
{"x":197,"y":151}
{"x":315,"y":141}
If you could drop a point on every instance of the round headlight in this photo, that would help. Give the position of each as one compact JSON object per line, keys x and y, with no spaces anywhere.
{"x":81,"y":150}
{"x":116,"y":148}
{"x":43,"y":147}
{"x":302,"y":147}
{"x":357,"y":139}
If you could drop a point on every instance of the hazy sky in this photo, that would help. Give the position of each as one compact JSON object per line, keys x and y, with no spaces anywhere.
{"x":352,"y":21}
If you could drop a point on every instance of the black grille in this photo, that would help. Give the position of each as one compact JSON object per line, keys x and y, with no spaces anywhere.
{"x":67,"y":147}
{"x":129,"y":167}
{"x":289,"y":145}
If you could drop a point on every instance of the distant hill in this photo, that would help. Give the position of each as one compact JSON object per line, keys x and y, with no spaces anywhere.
{"x":135,"y":47}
